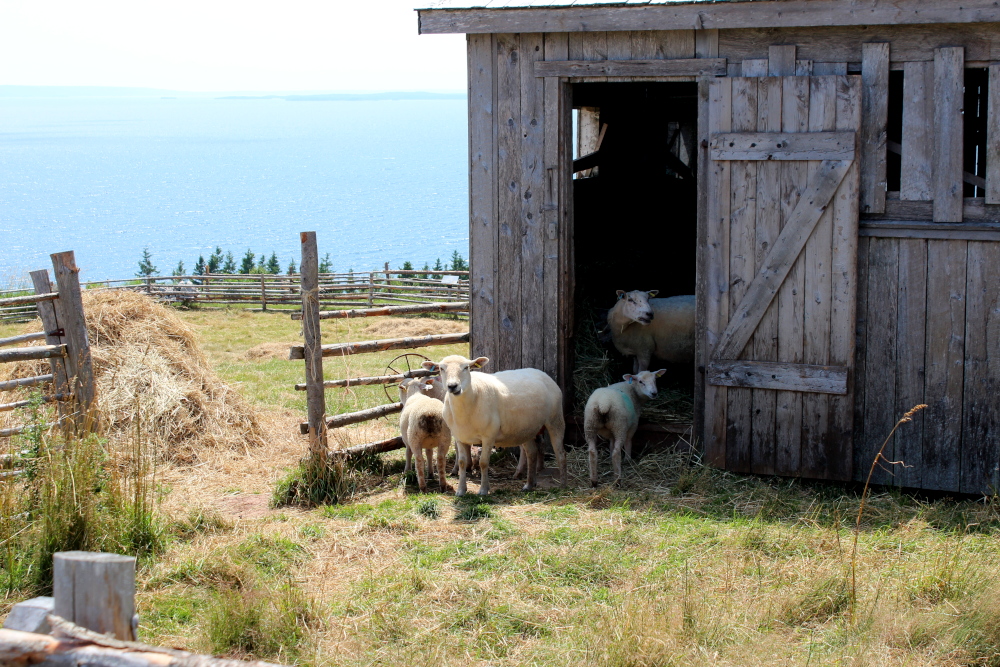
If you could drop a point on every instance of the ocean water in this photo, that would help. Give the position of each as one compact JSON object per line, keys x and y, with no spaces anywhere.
{"x":378,"y":181}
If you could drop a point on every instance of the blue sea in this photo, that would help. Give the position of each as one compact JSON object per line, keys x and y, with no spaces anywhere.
{"x":379,"y":181}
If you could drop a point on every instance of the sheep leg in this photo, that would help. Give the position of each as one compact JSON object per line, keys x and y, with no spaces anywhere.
{"x":642,"y":361}
{"x":442,"y":451}
{"x":429,"y":453}
{"x":530,"y":451}
{"x":521,"y":463}
{"x":464,"y":456}
{"x":409,"y":457}
{"x":484,"y":467}
{"x":557,"y":431}
{"x":421,"y":470}
{"x":616,"y":456}
{"x":591,"y":435}
{"x":628,"y":442}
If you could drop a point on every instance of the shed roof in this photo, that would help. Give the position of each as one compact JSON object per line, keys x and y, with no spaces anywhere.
{"x":496,"y":16}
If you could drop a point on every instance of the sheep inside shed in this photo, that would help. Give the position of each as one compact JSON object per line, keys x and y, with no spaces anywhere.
{"x":645,"y":327}
{"x":423,"y":427}
{"x":505,"y":409}
{"x":613,"y":413}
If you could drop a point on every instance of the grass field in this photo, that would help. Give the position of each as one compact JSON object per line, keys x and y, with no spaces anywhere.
{"x":681,"y":565}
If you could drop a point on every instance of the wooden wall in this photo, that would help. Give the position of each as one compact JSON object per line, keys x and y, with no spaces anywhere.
{"x":928,"y":301}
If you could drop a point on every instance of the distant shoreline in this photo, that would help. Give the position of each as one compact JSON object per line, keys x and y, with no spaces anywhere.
{"x":64,"y":92}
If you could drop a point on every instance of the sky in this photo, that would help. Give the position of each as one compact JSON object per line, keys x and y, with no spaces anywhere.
{"x":226,"y":45}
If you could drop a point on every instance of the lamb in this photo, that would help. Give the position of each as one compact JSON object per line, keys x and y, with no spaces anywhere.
{"x":646,"y":327}
{"x":505,"y":409}
{"x":613,"y":413}
{"x":423,"y":427}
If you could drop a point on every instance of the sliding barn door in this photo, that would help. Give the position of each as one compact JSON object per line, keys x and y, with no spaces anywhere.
{"x":780,"y":259}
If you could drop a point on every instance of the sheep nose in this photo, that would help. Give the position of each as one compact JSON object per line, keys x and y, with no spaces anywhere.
{"x":455,"y":389}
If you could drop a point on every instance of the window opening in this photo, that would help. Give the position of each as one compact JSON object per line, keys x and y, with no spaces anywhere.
{"x":976,"y":107}
{"x":894,"y":133}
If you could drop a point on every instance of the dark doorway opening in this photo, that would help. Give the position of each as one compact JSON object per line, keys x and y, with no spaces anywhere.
{"x":635,"y":208}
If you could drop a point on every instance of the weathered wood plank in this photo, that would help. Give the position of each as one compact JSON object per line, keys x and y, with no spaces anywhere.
{"x":312,"y":351}
{"x":556,"y":47}
{"x":10,"y":385}
{"x":29,"y":353}
{"x":945,"y":357}
{"x":825,"y":69}
{"x":815,"y":260}
{"x":371,"y":380}
{"x":781,"y":60}
{"x":706,"y":43}
{"x":861,"y":354}
{"x":768,"y":220}
{"x":28,"y":299}
{"x":69,"y":313}
{"x":619,"y":49}
{"x":874,"y":117}
{"x":843,"y":291}
{"x":880,"y":355}
{"x":369,"y":448}
{"x":701,"y":266}
{"x":755,"y":67}
{"x":961,"y":231}
{"x":511,"y":191}
{"x":777,"y":375}
{"x":95,"y":591}
{"x":788,"y":404}
{"x":23,"y":338}
{"x":918,"y":132}
{"x":949,"y":98}
{"x":483,"y":241}
{"x":450,"y":307}
{"x":812,"y":145}
{"x":993,"y":137}
{"x":814,"y":201}
{"x":17,"y":405}
{"x":347,"y":418}
{"x":980,"y":464}
{"x":532,"y":197}
{"x":742,"y":230}
{"x":629,"y":68}
{"x":763,"y":14}
{"x":588,"y":46}
{"x":716,"y":267}
{"x":364,"y":347}
{"x":911,"y":308}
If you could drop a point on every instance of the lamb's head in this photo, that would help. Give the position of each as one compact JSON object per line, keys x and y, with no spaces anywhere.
{"x":456,"y":371}
{"x":428,"y":386}
{"x":634,"y":306}
{"x":645,"y":382}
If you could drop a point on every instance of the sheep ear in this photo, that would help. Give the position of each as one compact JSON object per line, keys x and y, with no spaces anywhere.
{"x":430,"y":366}
{"x":652,"y":293}
{"x":628,"y":378}
{"x":480,"y":362}
{"x":621,"y":294}
{"x":660,"y":372}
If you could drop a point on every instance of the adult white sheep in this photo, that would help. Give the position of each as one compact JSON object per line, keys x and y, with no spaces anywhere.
{"x":645,"y":327}
{"x":613,"y":413}
{"x":505,"y":409}
{"x":423,"y":427}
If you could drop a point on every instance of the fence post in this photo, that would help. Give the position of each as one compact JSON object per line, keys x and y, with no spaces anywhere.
{"x":313,"y":349}
{"x":50,"y":322}
{"x":263,"y":293}
{"x":69,"y":313}
{"x":149,"y":288}
{"x":96,"y":591}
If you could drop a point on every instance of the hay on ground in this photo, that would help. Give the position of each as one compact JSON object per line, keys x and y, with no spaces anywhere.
{"x":148,"y":366}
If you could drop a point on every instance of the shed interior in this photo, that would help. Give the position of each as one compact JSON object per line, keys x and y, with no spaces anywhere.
{"x":635,"y":209}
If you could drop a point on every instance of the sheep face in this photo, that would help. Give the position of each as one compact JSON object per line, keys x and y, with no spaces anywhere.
{"x":645,"y":382}
{"x":456,"y":371}
{"x":428,"y":386}
{"x":635,"y":306}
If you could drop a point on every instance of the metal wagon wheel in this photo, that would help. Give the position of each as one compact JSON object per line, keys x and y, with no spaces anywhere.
{"x":405,"y":362}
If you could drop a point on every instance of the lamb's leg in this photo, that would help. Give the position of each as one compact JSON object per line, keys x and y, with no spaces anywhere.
{"x":628,"y":441}
{"x":484,"y":467}
{"x":442,"y":464}
{"x":591,"y":435}
{"x":464,"y":456}
{"x":530,"y":450}
{"x":429,"y":453}
{"x":557,"y":431}
{"x":421,"y":470}
{"x":616,"y":455}
{"x":409,"y":457}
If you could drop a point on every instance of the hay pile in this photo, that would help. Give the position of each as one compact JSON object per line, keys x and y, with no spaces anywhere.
{"x":148,"y":366}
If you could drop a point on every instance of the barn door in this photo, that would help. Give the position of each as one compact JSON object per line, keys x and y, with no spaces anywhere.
{"x":780,"y":262}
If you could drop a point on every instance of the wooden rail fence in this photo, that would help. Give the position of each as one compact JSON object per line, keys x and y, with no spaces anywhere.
{"x":313,"y":351}
{"x":67,"y":349}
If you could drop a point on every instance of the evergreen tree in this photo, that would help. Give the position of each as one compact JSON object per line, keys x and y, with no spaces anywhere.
{"x":199,"y":266}
{"x":214,"y":261}
{"x":229,"y":266}
{"x":292,"y":269}
{"x":437,"y":267}
{"x":325,"y":265}
{"x":407,"y":266}
{"x":272,"y":264}
{"x":427,"y":267}
{"x":146,"y":268}
{"x":458,"y":263}
{"x":262,"y":261}
{"x":179,"y":271}
{"x":246,"y":266}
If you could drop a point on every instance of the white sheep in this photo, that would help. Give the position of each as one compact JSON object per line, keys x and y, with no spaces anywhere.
{"x":645,"y":327}
{"x":613,"y":413}
{"x":423,"y":427}
{"x":505,"y":409}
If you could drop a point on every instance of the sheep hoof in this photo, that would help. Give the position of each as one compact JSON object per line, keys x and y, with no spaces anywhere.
{"x":528,"y":487}
{"x":446,"y":488}
{"x":594,"y":483}
{"x":460,"y":492}
{"x":483,"y":492}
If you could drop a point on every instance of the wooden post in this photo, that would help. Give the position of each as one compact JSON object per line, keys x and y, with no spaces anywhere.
{"x":69,"y":313}
{"x":313,"y":349}
{"x":96,"y":591}
{"x":47,"y":313}
{"x":149,"y":288}
{"x":263,"y":293}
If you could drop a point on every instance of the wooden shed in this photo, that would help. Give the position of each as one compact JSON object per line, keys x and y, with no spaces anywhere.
{"x":823,"y":174}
